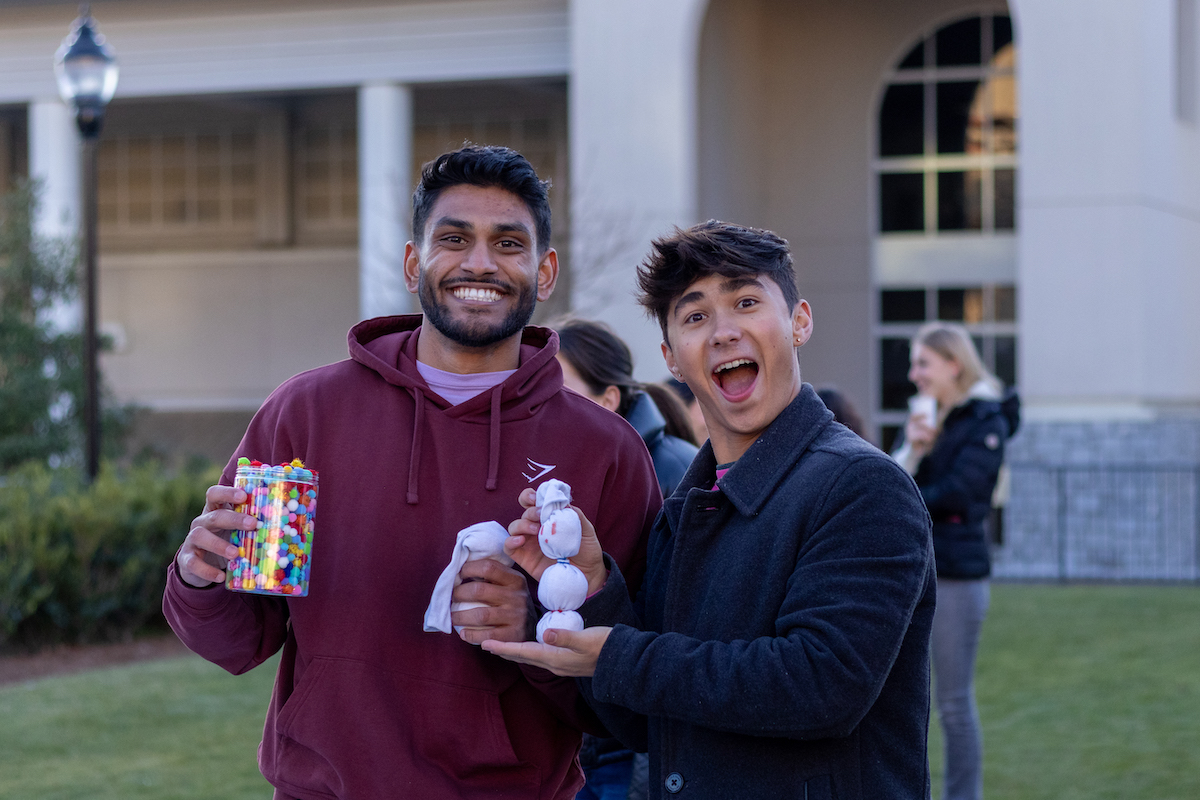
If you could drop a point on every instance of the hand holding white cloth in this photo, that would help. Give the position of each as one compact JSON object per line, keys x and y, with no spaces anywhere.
{"x":481,"y":540}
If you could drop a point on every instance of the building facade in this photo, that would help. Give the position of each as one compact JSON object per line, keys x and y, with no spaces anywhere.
{"x":1029,"y":168}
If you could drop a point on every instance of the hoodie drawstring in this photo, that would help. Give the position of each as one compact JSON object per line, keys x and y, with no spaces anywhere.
{"x":414,"y":456}
{"x":494,"y":440}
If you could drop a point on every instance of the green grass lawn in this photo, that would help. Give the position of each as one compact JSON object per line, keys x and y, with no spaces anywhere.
{"x":1086,"y":692}
{"x":1089,"y":692}
{"x":180,"y":728}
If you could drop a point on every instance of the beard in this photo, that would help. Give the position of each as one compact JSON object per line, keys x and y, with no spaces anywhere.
{"x":475,"y":333}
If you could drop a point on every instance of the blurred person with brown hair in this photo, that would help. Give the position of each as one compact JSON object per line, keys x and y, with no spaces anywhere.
{"x":692,"y":406}
{"x":843,"y":410}
{"x":599,"y":365}
{"x":953,"y":446}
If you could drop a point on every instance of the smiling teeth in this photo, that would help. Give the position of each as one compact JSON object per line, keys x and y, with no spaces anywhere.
{"x":732,"y":364}
{"x":483,"y":295}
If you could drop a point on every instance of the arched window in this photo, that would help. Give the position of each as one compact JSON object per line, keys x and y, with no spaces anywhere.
{"x":945,"y":183}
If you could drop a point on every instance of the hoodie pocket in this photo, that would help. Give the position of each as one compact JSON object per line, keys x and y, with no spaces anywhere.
{"x":352,"y":729}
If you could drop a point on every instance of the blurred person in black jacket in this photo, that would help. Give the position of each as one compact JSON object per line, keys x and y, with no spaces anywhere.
{"x":953,"y":446}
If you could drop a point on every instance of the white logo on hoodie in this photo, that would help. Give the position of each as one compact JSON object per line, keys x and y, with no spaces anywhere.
{"x":533,"y":466}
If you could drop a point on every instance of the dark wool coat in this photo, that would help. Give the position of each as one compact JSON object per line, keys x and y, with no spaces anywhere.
{"x":780,"y":646}
{"x":957,"y":480}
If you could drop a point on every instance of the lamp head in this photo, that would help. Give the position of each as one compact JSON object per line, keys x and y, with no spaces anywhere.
{"x":87,"y":73}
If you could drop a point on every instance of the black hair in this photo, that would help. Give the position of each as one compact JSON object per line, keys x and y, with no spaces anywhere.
{"x":484,"y":166}
{"x":712,"y":248}
{"x":602,"y":359}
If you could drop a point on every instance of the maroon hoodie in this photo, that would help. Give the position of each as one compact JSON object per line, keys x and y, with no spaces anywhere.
{"x":366,"y":704}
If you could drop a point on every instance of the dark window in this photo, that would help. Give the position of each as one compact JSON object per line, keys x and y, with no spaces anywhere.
{"x":1002,"y":33}
{"x":1006,"y":303}
{"x":960,"y":201}
{"x":959,"y":44}
{"x":902,"y":120}
{"x":915,"y":58}
{"x":894,"y":378}
{"x":1006,"y":359}
{"x":902,"y":305}
{"x":953,"y":114}
{"x":902,"y":201}
{"x":950,"y":303}
{"x":1006,"y":191}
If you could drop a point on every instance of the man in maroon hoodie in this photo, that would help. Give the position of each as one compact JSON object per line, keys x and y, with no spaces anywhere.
{"x":434,"y":423}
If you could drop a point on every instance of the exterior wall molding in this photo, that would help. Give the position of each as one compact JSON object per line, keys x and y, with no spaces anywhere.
{"x":203,"y":49}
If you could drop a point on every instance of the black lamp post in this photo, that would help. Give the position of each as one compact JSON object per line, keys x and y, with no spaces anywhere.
{"x":87,"y":78}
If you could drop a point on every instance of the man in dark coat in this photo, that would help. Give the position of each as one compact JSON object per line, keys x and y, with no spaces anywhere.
{"x":780,"y":645}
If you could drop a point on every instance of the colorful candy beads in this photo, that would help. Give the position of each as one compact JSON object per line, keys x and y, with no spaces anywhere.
{"x":274,"y":559}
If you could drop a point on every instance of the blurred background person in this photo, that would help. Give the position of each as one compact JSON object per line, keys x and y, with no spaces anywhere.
{"x":843,"y":410}
{"x":694,"y":414}
{"x":953,"y":446}
{"x":598,"y":364}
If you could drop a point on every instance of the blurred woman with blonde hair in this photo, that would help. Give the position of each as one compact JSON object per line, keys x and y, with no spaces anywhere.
{"x":953,"y":446}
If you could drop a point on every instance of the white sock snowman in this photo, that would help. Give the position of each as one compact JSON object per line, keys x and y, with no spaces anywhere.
{"x":563,"y":588}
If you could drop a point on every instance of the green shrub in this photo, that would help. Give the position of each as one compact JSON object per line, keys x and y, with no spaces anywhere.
{"x":88,"y":563}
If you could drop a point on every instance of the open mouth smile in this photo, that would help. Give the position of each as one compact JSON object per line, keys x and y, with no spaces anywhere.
{"x":736,"y":379}
{"x":475,"y":294}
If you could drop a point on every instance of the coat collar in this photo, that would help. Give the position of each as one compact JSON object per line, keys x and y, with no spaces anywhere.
{"x":754,"y":477}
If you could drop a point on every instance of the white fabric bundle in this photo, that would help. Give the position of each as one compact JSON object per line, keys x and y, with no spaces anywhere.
{"x":563,"y":588}
{"x":481,"y":540}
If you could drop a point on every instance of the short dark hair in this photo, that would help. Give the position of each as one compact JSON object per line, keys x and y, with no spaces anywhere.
{"x":484,"y":166}
{"x":712,"y":248}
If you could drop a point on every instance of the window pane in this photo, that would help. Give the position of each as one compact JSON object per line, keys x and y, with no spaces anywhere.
{"x":902,"y":120}
{"x":894,"y":373}
{"x":1005,"y":301}
{"x":959,"y":44}
{"x":1002,"y":33}
{"x":973,"y":306}
{"x":960,"y":201}
{"x":954,"y":102}
{"x":902,"y":305}
{"x":902,"y":201}
{"x":1006,"y":359}
{"x":950,"y":304}
{"x":915,"y":58}
{"x":1005,"y":199}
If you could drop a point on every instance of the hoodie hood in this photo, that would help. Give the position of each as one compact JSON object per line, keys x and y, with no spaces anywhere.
{"x":388,"y":347}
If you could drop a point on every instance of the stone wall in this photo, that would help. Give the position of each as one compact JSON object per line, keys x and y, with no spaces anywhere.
{"x":1103,"y":501}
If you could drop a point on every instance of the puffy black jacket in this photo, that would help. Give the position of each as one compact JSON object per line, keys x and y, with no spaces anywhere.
{"x":671,"y":455}
{"x":957,"y":479}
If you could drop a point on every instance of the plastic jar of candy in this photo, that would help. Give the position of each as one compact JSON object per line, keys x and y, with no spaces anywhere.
{"x":275,"y":558}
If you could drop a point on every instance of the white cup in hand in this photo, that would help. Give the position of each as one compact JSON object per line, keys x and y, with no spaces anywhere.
{"x":922,"y":405}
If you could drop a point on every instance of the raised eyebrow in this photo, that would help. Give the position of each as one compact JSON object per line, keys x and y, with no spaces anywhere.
{"x":690,"y":297}
{"x":733,"y":284}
